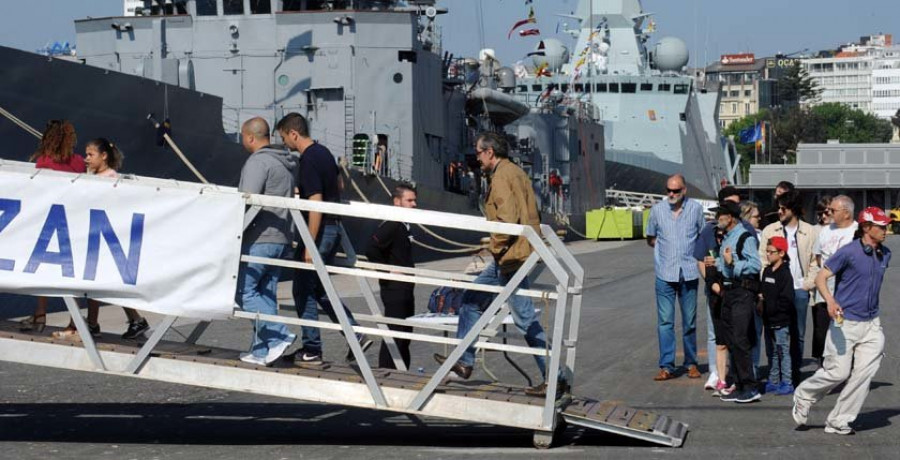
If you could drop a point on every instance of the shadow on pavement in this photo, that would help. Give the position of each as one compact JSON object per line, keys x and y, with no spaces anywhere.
{"x":257,"y":424}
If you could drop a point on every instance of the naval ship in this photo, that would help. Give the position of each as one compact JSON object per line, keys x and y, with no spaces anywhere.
{"x":381,"y":93}
{"x":370,"y":75}
{"x":656,"y":121}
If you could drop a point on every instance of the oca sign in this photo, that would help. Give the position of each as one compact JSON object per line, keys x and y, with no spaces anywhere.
{"x":56,"y":227}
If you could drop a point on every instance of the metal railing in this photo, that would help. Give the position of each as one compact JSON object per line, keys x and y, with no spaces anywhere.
{"x":564,"y":294}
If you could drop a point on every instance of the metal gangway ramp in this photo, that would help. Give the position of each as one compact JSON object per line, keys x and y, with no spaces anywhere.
{"x":359,"y":385}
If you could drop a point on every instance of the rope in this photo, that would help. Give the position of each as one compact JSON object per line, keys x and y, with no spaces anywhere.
{"x":21,"y":123}
{"x":466,"y":248}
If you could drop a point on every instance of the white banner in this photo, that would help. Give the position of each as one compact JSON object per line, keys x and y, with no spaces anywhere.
{"x":167,"y":249}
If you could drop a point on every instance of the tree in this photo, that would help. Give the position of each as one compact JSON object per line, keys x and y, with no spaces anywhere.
{"x":796,"y":86}
{"x":788,"y":127}
{"x":852,"y":126}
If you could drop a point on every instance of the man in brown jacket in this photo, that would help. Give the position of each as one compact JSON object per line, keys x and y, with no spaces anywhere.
{"x":510,"y":199}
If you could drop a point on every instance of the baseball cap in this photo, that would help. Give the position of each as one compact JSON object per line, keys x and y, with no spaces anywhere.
{"x":874,"y":215}
{"x":728,"y":207}
{"x":779,"y":243}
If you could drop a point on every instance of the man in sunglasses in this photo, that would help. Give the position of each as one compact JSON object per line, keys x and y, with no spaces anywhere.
{"x":672,"y":230}
{"x":831,"y":238}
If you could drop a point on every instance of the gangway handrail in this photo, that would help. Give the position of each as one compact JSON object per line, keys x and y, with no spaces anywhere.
{"x":547,"y":248}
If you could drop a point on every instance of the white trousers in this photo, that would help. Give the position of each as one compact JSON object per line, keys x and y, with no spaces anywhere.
{"x":853,"y":354}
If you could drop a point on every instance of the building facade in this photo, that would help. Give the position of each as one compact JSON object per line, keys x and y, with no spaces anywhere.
{"x":886,"y":83}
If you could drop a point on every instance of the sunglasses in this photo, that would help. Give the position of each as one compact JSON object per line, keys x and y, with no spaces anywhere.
{"x":772,"y":252}
{"x":674,"y":190}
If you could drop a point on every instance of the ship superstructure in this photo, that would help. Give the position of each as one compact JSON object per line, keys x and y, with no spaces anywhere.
{"x":656,"y":121}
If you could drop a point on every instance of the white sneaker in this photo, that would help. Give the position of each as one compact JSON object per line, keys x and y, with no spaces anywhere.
{"x":250,"y":359}
{"x":711,"y":381}
{"x":800,"y":411}
{"x":278,"y":350}
{"x":844,"y":430}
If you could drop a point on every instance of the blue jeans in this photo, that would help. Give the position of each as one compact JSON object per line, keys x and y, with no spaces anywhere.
{"x":258,"y":292}
{"x":798,"y":332}
{"x":666,"y":292}
{"x":780,"y":360}
{"x":309,"y":293}
{"x":475,"y":302}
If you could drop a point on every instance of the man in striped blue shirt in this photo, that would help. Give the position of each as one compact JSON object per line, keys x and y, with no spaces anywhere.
{"x":672,"y":230}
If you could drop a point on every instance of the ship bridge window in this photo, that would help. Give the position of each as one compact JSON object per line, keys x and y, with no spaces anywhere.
{"x":260,"y":6}
{"x":665,"y":87}
{"x":407,"y":56}
{"x":629,"y":87}
{"x":646,"y":86}
{"x":613,"y":87}
{"x":681,"y":89}
{"x":233,"y":7}
{"x":601,"y":87}
{"x":207,"y":8}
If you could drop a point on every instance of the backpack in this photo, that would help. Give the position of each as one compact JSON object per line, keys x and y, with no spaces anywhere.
{"x":445,"y":300}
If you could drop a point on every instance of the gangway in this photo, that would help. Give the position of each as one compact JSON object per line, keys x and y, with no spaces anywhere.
{"x":357,"y":385}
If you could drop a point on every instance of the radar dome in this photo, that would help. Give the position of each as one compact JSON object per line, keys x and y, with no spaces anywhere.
{"x":670,"y":54}
{"x":552,"y":52}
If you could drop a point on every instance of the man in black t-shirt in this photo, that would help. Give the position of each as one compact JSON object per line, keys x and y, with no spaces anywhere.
{"x":392,"y":245}
{"x":318,"y":179}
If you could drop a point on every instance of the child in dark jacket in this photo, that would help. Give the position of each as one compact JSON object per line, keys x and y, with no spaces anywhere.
{"x":777,"y":294}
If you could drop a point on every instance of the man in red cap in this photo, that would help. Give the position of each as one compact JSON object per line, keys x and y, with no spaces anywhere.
{"x":854,"y":345}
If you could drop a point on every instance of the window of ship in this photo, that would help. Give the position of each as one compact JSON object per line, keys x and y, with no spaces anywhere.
{"x":629,"y":87}
{"x":537,"y":88}
{"x":233,"y":7}
{"x":681,"y":89}
{"x":260,"y":6}
{"x":664,"y":87}
{"x":601,"y":87}
{"x":565,"y":87}
{"x":613,"y":87}
{"x":207,"y":8}
{"x":579,"y":88}
{"x":646,"y":86}
{"x":523,"y":88}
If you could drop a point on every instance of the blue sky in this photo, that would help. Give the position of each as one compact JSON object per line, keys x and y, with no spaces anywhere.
{"x":709,"y":27}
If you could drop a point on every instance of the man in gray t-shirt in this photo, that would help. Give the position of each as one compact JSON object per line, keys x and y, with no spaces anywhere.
{"x":269,"y":171}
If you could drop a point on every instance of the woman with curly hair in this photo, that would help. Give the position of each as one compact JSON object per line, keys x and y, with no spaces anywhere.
{"x":56,"y":151}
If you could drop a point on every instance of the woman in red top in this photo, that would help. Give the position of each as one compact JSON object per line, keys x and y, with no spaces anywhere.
{"x":56,"y":152}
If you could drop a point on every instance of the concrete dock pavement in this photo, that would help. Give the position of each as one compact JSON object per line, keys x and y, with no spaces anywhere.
{"x":70,"y":414}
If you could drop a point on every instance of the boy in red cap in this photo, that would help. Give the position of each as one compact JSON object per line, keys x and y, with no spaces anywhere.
{"x":854,"y":345}
{"x":777,"y":294}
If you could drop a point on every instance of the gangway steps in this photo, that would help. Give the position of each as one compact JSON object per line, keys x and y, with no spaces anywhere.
{"x":613,"y":417}
{"x":336,"y":383}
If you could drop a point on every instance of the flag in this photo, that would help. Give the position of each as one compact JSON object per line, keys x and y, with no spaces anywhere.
{"x":761,"y":140}
{"x":527,"y":32}
{"x":531,"y":20}
{"x":542,"y":71}
{"x":751,"y":134}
